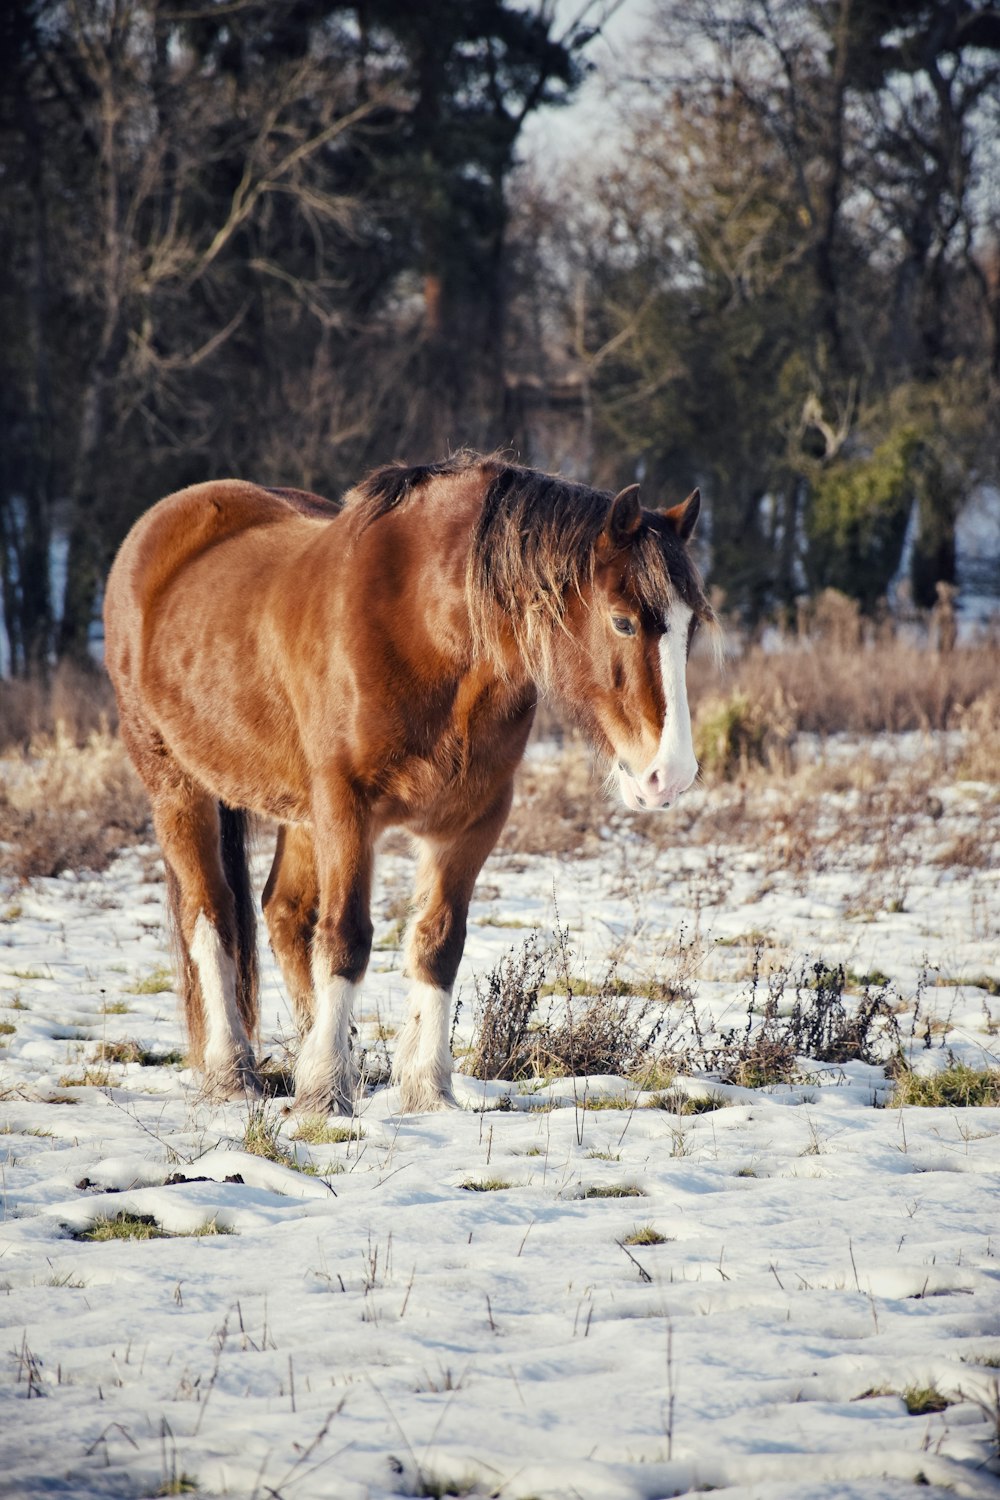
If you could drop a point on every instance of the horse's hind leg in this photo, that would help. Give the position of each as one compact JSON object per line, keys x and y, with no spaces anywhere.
{"x":291,"y":898}
{"x":220,"y":1010}
{"x":445,"y":879}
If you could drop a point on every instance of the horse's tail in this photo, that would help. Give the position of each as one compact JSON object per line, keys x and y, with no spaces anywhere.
{"x":236,"y":827}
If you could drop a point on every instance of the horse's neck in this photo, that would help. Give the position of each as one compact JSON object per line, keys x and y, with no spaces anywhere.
{"x":437,"y":627}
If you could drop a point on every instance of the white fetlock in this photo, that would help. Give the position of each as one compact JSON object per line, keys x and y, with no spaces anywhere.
{"x":326,"y":1078}
{"x":423,"y":1063}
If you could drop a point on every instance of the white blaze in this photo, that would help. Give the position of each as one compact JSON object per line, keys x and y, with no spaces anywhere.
{"x":675,"y":760}
{"x":674,"y":766}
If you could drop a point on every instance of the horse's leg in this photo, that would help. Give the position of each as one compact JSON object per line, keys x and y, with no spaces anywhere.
{"x":218,"y":983}
{"x":291,"y":897}
{"x":219,"y":1013}
{"x":445,"y":879}
{"x":326,"y":1074}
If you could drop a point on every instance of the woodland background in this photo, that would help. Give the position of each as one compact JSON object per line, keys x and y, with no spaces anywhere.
{"x":290,"y":240}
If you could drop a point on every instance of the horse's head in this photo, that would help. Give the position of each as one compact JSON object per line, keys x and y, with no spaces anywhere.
{"x":632,"y":629}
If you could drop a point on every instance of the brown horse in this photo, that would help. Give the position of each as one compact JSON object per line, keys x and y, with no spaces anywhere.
{"x":341,"y":668}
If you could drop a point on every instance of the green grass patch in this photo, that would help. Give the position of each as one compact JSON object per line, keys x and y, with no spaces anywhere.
{"x":615,"y":1190}
{"x":604,"y":1156}
{"x":123,"y":1226}
{"x":684,"y":1104}
{"x":177,"y":1484}
{"x":980,"y":982}
{"x":115,"y":1008}
{"x":316,"y":1131}
{"x":958,"y":1087}
{"x":659,"y":1075}
{"x":874,"y":979}
{"x":485,"y":1184}
{"x":126,"y":1226}
{"x":614,"y":986}
{"x":261,"y":1136}
{"x":27,"y":974}
{"x":646,"y":1235}
{"x":391,"y":939}
{"x":923,"y":1399}
{"x":159,"y":982}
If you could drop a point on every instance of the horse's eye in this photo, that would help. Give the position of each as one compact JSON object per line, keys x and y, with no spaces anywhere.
{"x":623,"y":624}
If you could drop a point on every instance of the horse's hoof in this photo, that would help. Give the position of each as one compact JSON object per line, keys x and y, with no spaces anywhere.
{"x":425,"y":1100}
{"x":240,"y":1079}
{"x":336,"y":1100}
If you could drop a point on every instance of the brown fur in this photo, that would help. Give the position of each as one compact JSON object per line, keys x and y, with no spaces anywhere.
{"x":341,"y":669}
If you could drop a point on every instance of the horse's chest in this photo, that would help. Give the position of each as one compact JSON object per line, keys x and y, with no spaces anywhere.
{"x":459,"y":776}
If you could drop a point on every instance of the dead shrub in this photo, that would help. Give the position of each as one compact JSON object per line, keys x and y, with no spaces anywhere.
{"x":506,"y":1003}
{"x":818,"y":1025}
{"x":822,"y":1027}
{"x":602,"y":1031}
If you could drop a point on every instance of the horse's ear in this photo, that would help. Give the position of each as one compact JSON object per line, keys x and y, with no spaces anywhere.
{"x":623,"y":521}
{"x":685,"y":515}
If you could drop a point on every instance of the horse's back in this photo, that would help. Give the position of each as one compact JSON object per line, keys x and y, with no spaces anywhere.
{"x":179,"y":531}
{"x":185,"y":525}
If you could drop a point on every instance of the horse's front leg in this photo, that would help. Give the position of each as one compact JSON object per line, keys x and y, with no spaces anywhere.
{"x":326,"y":1076}
{"x":446,"y":876}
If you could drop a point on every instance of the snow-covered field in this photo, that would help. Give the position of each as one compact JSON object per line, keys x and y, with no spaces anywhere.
{"x":822,"y":1261}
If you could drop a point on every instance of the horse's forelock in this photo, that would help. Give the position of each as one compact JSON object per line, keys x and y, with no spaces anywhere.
{"x":662,"y":570}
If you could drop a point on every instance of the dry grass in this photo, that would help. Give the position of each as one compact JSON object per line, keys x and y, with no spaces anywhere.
{"x":70,"y":800}
{"x":848,"y":679}
{"x":68,"y":806}
{"x":646,"y":1235}
{"x":74,"y":704}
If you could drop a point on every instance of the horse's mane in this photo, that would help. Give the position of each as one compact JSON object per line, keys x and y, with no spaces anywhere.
{"x":384,"y":489}
{"x":533,"y":545}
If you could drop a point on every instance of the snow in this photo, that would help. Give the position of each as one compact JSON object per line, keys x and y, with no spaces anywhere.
{"x":379,"y":1329}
